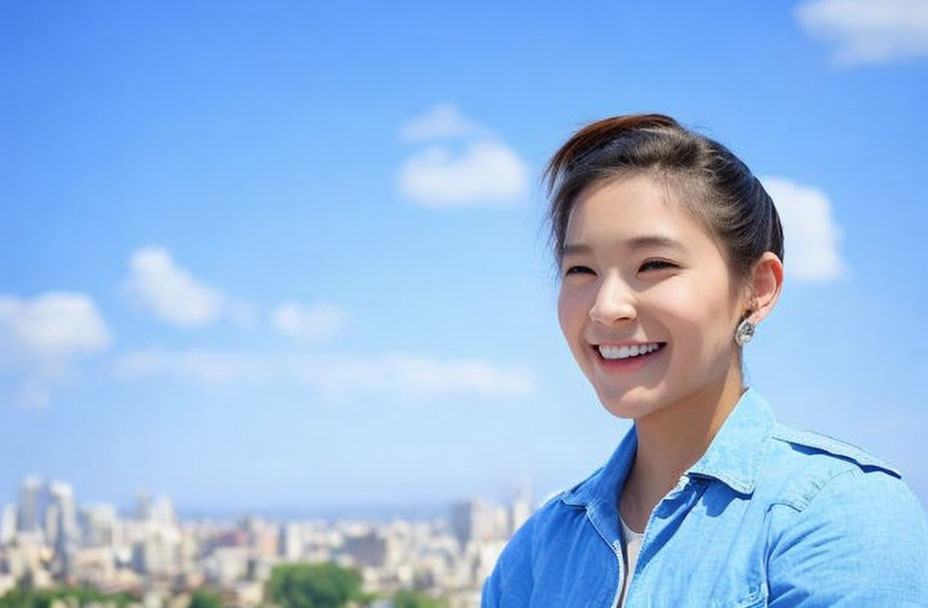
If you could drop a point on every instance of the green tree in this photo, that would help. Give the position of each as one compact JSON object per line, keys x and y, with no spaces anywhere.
{"x":412,"y":599}
{"x":26,"y":598}
{"x":313,"y":585}
{"x":43,"y":598}
{"x":204,"y":599}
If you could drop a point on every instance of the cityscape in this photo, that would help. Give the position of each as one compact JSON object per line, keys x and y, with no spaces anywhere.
{"x":50,"y":540}
{"x":280,"y":293}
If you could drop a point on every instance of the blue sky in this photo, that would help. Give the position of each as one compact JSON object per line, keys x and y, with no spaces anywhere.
{"x":283,"y":256}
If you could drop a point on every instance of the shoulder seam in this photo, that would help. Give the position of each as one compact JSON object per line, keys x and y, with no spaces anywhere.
{"x":800,"y":506}
{"x":835,"y":447}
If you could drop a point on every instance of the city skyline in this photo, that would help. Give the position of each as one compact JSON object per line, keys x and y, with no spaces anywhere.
{"x":292,"y":257}
{"x":370,"y":512}
{"x":48,"y":541}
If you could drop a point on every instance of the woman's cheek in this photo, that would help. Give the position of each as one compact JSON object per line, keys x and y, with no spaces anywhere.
{"x":567,"y":308}
{"x":562,"y":312}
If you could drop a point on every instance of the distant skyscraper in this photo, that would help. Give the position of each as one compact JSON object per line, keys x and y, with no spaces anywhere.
{"x":7,"y":524}
{"x":143,"y":505}
{"x":63,"y":518}
{"x":100,"y":524}
{"x":502,"y":521}
{"x":521,"y":505}
{"x":61,"y":522}
{"x":473,"y":520}
{"x":291,"y":542}
{"x":162,"y":511}
{"x":30,"y":498}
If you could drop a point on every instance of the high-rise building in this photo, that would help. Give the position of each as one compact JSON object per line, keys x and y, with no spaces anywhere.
{"x":61,"y":514}
{"x":162,"y":512}
{"x":521,"y":505}
{"x":7,"y":524}
{"x":290,"y":547}
{"x":143,"y":505}
{"x":473,"y":520}
{"x":30,"y":499}
{"x":61,"y":523}
{"x":100,"y":525}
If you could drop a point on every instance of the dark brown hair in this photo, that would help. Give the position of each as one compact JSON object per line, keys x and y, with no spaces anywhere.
{"x":705,"y":177}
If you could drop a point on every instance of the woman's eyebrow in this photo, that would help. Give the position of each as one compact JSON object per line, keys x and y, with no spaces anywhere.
{"x":640,"y":242}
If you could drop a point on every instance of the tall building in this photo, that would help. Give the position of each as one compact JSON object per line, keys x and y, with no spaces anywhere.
{"x":30,"y":501}
{"x":143,"y":505}
{"x":290,"y":547}
{"x":474,"y":520}
{"x":7,"y":524}
{"x":61,"y":523}
{"x":521,"y":505}
{"x":100,"y":525}
{"x":162,"y":512}
{"x":63,"y":519}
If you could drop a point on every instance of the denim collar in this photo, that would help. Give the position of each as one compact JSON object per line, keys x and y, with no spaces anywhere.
{"x":734,"y":456}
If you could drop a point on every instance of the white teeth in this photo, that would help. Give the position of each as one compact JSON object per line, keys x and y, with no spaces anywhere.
{"x":624,"y":352}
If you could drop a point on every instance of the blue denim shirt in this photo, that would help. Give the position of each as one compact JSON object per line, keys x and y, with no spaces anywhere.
{"x":768,"y":516}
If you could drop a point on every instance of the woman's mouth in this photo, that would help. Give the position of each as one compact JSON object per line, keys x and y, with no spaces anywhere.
{"x":627,"y":358}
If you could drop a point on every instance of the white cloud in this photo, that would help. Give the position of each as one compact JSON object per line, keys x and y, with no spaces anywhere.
{"x":443,"y":121}
{"x":485,"y":172}
{"x":170,"y":291}
{"x":868,"y":31}
{"x":41,"y":339}
{"x":333,"y":376}
{"x":55,"y":324}
{"x":315,"y":324}
{"x":480,"y":170}
{"x":811,"y":234}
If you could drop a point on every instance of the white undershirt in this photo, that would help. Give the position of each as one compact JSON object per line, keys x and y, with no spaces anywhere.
{"x":632,"y":545}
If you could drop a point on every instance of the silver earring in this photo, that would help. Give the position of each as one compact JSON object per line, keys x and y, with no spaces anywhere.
{"x":744,"y":333}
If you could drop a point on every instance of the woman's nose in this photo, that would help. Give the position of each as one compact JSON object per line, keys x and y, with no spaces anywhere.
{"x":614,"y":302}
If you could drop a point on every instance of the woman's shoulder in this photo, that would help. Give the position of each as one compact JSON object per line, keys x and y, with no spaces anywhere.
{"x":816,"y":443}
{"x":820,"y":488}
{"x":800,"y":464}
{"x":843,"y":525}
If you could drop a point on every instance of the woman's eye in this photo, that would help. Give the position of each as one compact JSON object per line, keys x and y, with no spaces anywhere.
{"x":657,"y":264}
{"x":577,"y":270}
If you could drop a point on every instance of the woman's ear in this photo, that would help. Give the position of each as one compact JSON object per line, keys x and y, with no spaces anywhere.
{"x":765,"y":285}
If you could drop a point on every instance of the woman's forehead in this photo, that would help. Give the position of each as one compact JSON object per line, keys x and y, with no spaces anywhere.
{"x":635,"y":212}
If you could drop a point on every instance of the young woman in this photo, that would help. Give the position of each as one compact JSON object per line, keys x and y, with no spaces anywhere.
{"x":670,"y":254}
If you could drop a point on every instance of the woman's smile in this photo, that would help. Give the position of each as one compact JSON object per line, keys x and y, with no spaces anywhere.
{"x":625,"y":358}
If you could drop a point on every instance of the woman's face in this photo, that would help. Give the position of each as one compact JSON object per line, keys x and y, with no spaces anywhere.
{"x":618,"y":287}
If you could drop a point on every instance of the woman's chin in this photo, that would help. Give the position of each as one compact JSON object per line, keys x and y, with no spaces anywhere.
{"x":626,"y":406}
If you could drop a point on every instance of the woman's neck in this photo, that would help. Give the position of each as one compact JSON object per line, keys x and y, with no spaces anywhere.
{"x":669,"y":441}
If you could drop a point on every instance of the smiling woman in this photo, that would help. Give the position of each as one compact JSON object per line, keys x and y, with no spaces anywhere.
{"x":670,"y":254}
